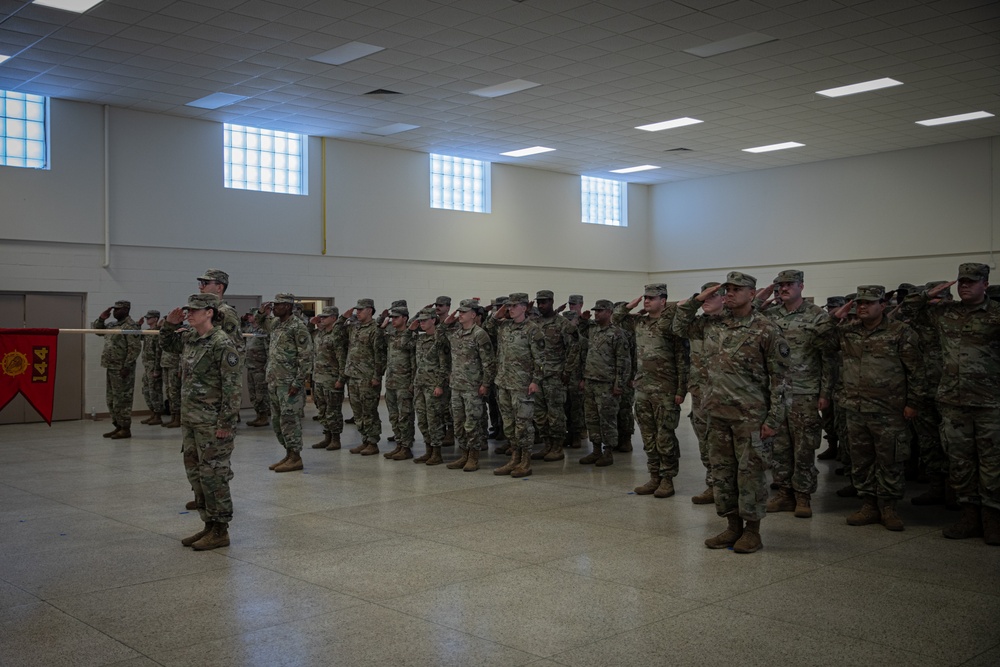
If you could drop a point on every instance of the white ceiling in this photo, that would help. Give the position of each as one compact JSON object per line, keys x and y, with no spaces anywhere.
{"x":604,"y":67}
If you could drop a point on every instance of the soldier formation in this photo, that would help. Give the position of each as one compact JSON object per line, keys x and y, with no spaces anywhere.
{"x":909,"y":375}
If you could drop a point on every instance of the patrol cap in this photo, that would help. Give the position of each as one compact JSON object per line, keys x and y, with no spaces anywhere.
{"x":870,"y":293}
{"x":399,"y":311}
{"x":575,"y":299}
{"x":850,"y":297}
{"x":790,"y":276}
{"x":973,"y":271}
{"x":516,"y":298}
{"x":544,"y":294}
{"x":603,"y":304}
{"x":442,"y":301}
{"x":656,"y":289}
{"x":499,"y":301}
{"x":426,"y":314}
{"x":934,"y":283}
{"x":712,"y":284}
{"x":199,"y":301}
{"x":218,"y":275}
{"x":399,"y":303}
{"x":741,"y":279}
{"x":835,"y":301}
{"x":466,"y":305}
{"x":152,"y":313}
{"x":571,"y":315}
{"x":330,"y":311}
{"x":284,"y":297}
{"x":909,"y":288}
{"x":123,"y":303}
{"x":366,"y":303}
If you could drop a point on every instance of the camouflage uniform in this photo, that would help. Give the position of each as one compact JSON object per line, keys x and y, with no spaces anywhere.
{"x":256,"y":363}
{"x":366,"y":357}
{"x":473,"y":364}
{"x":576,"y":422}
{"x":170,"y":363}
{"x":118,"y":357}
{"x":399,"y":381}
{"x":210,"y":399}
{"x":289,"y":362}
{"x":432,"y":366}
{"x":560,"y":361}
{"x":608,"y":367}
{"x":152,"y":374}
{"x":519,"y":358}
{"x":331,"y":352}
{"x":698,"y":375}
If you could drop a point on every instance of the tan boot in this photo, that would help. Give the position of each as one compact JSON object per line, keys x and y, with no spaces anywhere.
{"x":175,"y":421}
{"x":555,"y":452}
{"x":403,"y":454}
{"x":435,"y":459}
{"x":523,"y":468}
{"x":293,"y":463}
{"x":593,"y":456}
{"x":750,"y":541}
{"x":111,"y":432}
{"x":704,"y":498}
{"x":866,"y":515}
{"x":991,"y":526}
{"x":155,"y":420}
{"x":803,"y":509}
{"x":194,"y":504}
{"x":261,"y":420}
{"x":649,"y":487}
{"x":357,"y":450}
{"x":514,"y":462}
{"x":324,"y":443}
{"x":728,"y":537}
{"x":665,"y":489}
{"x":460,"y":461}
{"x":278,"y":463}
{"x":969,"y":525}
{"x":426,"y":457}
{"x":472,"y":464}
{"x":542,"y":453}
{"x":890,"y":519}
{"x":188,"y":541}
{"x":371,"y":449}
{"x":389,"y":455}
{"x":147,"y":419}
{"x":607,"y":457}
{"x":782,"y":501}
{"x":122,"y":434}
{"x":218,"y":537}
{"x":334,"y":442}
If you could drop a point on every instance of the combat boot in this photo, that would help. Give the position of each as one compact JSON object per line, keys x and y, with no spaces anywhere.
{"x":262,"y":420}
{"x":830,"y":453}
{"x":933,"y":495}
{"x":704,"y":498}
{"x":293,"y":463}
{"x":969,"y":525}
{"x":426,"y":457}
{"x":803,"y":509}
{"x":147,"y":419}
{"x":435,"y":459}
{"x":357,"y":450}
{"x":389,"y":455}
{"x":155,"y":420}
{"x":665,"y":488}
{"x":188,"y":541}
{"x":460,"y":461}
{"x":507,"y":468}
{"x":542,"y":453}
{"x":449,"y":438}
{"x":847,"y":492}
{"x":403,"y":454}
{"x":194,"y":504}
{"x":593,"y":456}
{"x":991,"y":525}
{"x":649,"y":487}
{"x":581,"y":439}
{"x":324,"y":443}
{"x":111,"y":432}
{"x":278,"y":463}
{"x":782,"y":501}
{"x":624,"y":442}
{"x":218,"y":537}
{"x":607,"y":457}
{"x":556,"y":451}
{"x":868,"y":514}
{"x":750,"y":541}
{"x":728,"y":537}
{"x":472,"y":463}
{"x":371,"y":449}
{"x":175,"y":421}
{"x":334,"y":442}
{"x":122,"y":433}
{"x":890,"y":519}
{"x":523,"y":468}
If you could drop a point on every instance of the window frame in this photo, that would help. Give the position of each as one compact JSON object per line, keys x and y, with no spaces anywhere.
{"x":44,"y":162}
{"x":587,"y":205}
{"x":441,"y":202}
{"x":267,"y":159}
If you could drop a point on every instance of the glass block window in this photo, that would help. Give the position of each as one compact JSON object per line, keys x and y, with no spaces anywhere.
{"x":265,"y":160}
{"x":603,"y":201}
{"x":23,"y":131}
{"x":460,"y":184}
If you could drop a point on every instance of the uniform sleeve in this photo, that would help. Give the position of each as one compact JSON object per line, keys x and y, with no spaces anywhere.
{"x":682,"y":357}
{"x":913,"y":364}
{"x":623,"y":318}
{"x":537,"y":345}
{"x":623,"y":360}
{"x":487,"y":358}
{"x":231,"y":385}
{"x":304,"y":356}
{"x":133,"y":344}
{"x":98,"y":324}
{"x":571,"y":339}
{"x":380,"y":353}
{"x":824,"y":341}
{"x":686,"y":323}
{"x":170,"y":338}
{"x":777,"y":354}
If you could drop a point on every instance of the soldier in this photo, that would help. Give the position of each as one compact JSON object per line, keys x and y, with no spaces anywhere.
{"x":363,"y":371}
{"x":256,"y":362}
{"x":442,"y":308}
{"x":328,"y":391}
{"x":289,"y":362}
{"x":216,"y":281}
{"x":473,"y":367}
{"x":661,"y":382}
{"x":576,"y":422}
{"x":830,"y":414}
{"x":607,"y":370}
{"x":210,"y":367}
{"x":883,"y":381}
{"x":626,"y":422}
{"x":496,"y":422}
{"x":118,"y":358}
{"x":429,"y":381}
{"x":968,"y":398}
{"x":993,"y":292}
{"x":170,"y":365}
{"x":560,"y":361}
{"x":152,"y":374}
{"x":399,"y":381}
{"x":744,"y":401}
{"x":806,"y":328}
{"x":713,"y":307}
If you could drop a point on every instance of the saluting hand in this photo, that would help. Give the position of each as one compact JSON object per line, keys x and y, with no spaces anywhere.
{"x":175,"y":316}
{"x":706,"y":293}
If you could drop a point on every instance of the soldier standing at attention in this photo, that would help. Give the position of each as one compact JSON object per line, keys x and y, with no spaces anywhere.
{"x":744,"y":401}
{"x":152,"y":374}
{"x":560,"y":361}
{"x":363,"y":371}
{"x":170,"y":364}
{"x":328,"y":391}
{"x":607,"y":370}
{"x":256,"y":361}
{"x":473,"y":367}
{"x":496,"y":421}
{"x":216,"y":281}
{"x":576,"y":422}
{"x":118,"y":358}
{"x":712,"y":307}
{"x":399,"y":381}
{"x":289,"y":362}
{"x":661,"y":382}
{"x":429,"y":381}
{"x":442,"y":308}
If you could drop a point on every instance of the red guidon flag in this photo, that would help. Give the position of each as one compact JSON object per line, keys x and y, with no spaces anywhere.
{"x":28,"y":365}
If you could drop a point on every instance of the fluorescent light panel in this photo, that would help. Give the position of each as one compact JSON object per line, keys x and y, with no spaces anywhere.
{"x":773,"y":147}
{"x":534,"y":150}
{"x":862,"y":87}
{"x":515,"y":86}
{"x":630,"y":170}
{"x":944,"y":120}
{"x":78,"y":6}
{"x":669,"y":124}
{"x":346,"y":53}
{"x":216,"y":100}
{"x":394,"y":128}
{"x":3,"y":58}
{"x":731,"y":44}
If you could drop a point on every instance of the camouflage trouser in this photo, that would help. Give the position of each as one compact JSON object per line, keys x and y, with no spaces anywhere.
{"x":880,"y":446}
{"x":430,"y":415}
{"x":286,"y":419}
{"x":699,"y":422}
{"x":658,"y":418}
{"x":843,"y":439}
{"x":518,"y":411}
{"x":399,"y":403}
{"x":172,"y":388}
{"x":467,"y":417}
{"x":626,"y":423}
{"x":927,"y":426}
{"x":576,"y":420}
{"x":364,"y":405}
{"x":120,"y":393}
{"x":971,"y":436}
{"x":257,"y":387}
{"x":601,"y":409}
{"x":330,"y":403}
{"x":495,"y":420}
{"x":206,"y":463}
{"x":152,"y":390}
{"x":829,"y":419}
{"x":794,"y":464}
{"x":550,"y":409}
{"x":739,"y":460}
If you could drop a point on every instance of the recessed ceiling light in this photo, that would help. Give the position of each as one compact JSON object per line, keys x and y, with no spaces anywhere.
{"x":629,"y":170}
{"x":773,"y":147}
{"x":534,"y":150}
{"x":78,"y":6}
{"x":346,"y":53}
{"x":862,"y":87}
{"x":216,"y":100}
{"x":731,"y":44}
{"x":394,"y":128}
{"x":515,"y":86}
{"x":3,"y":58}
{"x":668,"y":124}
{"x":975,"y":115}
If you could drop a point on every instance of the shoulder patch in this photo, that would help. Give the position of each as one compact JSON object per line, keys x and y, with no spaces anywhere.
{"x":303,"y":338}
{"x":232,"y":359}
{"x":229,"y":327}
{"x":783,"y":349}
